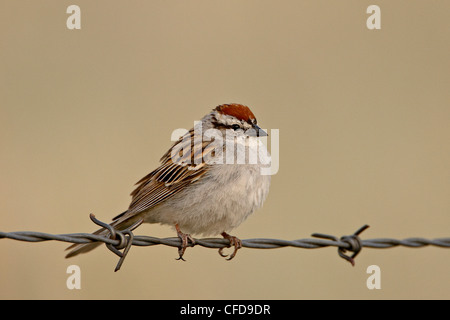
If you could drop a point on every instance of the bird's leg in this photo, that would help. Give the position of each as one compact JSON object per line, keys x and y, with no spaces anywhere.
{"x":236,"y":242}
{"x":184,"y":241}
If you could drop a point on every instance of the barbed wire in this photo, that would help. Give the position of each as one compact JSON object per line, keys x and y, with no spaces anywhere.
{"x":118,"y":240}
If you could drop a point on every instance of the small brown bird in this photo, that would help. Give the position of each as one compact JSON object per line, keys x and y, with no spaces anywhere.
{"x":203,"y":185}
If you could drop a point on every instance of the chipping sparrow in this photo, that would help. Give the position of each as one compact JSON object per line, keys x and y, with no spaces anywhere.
{"x":201,"y":186}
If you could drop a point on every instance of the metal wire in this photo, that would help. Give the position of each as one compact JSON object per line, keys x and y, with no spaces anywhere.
{"x":256,"y":243}
{"x":126,"y":239}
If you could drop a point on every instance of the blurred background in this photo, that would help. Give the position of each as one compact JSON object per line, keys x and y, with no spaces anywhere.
{"x":364,"y":139}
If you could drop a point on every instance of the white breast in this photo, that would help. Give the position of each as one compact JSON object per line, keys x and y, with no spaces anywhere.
{"x":220,"y":201}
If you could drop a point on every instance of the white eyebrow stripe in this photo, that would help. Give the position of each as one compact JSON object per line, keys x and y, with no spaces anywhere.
{"x":228,"y":120}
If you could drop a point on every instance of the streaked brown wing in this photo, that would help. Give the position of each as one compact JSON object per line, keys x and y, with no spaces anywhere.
{"x":171,"y":177}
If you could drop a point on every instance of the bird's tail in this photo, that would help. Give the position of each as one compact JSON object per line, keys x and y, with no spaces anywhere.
{"x":78,"y":248}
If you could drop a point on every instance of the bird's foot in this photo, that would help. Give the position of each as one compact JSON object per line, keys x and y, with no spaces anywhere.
{"x":185,"y":238}
{"x":236,"y":242}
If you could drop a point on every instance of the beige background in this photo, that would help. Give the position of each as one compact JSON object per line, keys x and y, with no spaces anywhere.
{"x":364,"y":138}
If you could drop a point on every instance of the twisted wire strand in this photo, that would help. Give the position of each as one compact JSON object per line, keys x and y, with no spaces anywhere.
{"x":256,"y":243}
{"x":127,"y":239}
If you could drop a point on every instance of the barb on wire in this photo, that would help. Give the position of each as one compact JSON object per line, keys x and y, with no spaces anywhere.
{"x":118,"y":240}
{"x":353,"y":240}
{"x":125,"y":242}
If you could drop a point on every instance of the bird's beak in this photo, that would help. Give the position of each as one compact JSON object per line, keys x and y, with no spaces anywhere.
{"x":256,"y":131}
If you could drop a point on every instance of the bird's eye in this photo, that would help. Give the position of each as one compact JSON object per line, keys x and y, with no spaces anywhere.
{"x":235,"y":126}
